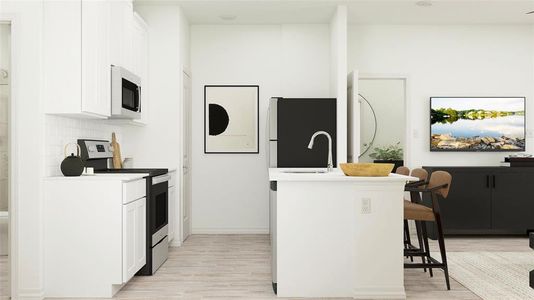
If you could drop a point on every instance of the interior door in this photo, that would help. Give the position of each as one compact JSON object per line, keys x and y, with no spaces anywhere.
{"x":186,"y":157}
{"x":353,"y":117}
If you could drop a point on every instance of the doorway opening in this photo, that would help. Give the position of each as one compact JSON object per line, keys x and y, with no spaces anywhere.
{"x":382,"y":118}
{"x":5,"y":95}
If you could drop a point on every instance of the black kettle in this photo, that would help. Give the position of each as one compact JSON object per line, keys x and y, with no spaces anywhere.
{"x":72,"y":165}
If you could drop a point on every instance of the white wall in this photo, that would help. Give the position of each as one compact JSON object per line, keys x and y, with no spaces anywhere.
{"x":455,"y":60}
{"x":61,"y":131}
{"x":27,"y":151}
{"x":230,"y":191}
{"x":158,"y":144}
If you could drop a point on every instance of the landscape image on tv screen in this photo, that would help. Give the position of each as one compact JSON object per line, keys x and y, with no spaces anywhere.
{"x":477,"y":124}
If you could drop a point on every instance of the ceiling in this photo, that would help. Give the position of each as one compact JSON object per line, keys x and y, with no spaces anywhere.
{"x":359,"y":11}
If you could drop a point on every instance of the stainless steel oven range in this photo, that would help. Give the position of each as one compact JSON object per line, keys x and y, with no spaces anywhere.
{"x":98,"y":154}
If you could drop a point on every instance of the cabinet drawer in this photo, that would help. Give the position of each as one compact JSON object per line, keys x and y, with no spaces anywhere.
{"x":133,"y":190}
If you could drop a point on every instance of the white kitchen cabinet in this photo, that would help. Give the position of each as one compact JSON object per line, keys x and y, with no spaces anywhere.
{"x":76,"y":58}
{"x":140,"y":63}
{"x":172,"y":207}
{"x":96,"y":72}
{"x":94,"y":230}
{"x":121,"y":32}
{"x":134,"y":238}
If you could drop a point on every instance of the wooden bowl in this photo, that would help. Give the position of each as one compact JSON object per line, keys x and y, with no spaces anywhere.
{"x":366,"y":169}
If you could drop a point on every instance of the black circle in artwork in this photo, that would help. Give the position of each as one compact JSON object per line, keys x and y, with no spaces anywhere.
{"x":219,"y":119}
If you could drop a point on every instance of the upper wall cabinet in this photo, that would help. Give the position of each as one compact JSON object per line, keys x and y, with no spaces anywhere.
{"x":122,"y":26}
{"x":76,"y":58}
{"x":82,"y":39}
{"x":140,"y":63}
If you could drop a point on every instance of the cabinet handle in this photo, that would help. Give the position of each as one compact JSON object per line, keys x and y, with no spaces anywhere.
{"x":493,"y":181}
{"x":487,"y":181}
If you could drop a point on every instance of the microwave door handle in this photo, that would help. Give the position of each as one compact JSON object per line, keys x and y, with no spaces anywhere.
{"x":139,"y":98}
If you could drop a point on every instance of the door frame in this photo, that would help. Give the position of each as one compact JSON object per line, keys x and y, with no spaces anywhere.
{"x":13,"y":157}
{"x":408,"y":138}
{"x":185,"y":71}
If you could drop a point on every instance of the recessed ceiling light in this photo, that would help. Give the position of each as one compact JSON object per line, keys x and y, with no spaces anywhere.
{"x":227,"y":17}
{"x":424,"y":3}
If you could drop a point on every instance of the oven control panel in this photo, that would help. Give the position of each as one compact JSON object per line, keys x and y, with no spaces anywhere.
{"x":92,"y":149}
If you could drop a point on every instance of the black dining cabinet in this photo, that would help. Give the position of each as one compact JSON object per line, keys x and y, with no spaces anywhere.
{"x":487,"y":200}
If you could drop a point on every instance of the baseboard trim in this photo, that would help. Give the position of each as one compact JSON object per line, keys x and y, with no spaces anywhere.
{"x":379,"y":293}
{"x":175,"y":243}
{"x":29,"y":294}
{"x":230,"y":231}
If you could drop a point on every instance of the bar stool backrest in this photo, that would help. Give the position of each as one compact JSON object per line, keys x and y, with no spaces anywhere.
{"x":440,"y":178}
{"x":420,"y":173}
{"x":402,"y":170}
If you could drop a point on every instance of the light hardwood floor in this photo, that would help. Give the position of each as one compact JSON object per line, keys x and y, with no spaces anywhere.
{"x":238,"y":267}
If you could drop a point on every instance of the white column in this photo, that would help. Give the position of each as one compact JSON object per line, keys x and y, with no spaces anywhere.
{"x":338,"y":76}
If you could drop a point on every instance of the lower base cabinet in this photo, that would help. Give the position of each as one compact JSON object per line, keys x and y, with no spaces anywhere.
{"x":94,"y":230}
{"x":133,"y":238}
{"x":487,"y":200}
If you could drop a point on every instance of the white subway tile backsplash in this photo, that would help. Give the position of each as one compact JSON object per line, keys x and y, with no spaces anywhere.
{"x":61,"y":131}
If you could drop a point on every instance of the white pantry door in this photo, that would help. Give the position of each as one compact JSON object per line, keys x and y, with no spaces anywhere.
{"x":186,"y":157}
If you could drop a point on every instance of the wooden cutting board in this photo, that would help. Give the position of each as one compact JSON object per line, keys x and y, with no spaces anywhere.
{"x":117,"y":159}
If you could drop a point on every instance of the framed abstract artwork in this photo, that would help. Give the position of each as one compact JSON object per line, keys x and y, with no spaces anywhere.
{"x":231,"y":114}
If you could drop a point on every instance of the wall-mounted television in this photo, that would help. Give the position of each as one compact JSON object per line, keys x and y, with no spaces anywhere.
{"x":477,"y":123}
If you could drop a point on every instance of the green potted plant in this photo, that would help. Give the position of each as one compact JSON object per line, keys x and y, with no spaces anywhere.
{"x":388,"y":154}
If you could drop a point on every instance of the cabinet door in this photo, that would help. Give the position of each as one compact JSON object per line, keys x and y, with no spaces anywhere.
{"x":121,"y":19}
{"x":140,"y":231}
{"x":140,"y":62}
{"x":134,"y":238}
{"x":62,"y":22}
{"x":513,"y":201}
{"x":468,"y":206}
{"x":172,"y":213}
{"x":95,"y":58}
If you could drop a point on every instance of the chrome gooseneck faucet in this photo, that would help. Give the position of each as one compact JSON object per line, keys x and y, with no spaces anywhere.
{"x":310,"y":146}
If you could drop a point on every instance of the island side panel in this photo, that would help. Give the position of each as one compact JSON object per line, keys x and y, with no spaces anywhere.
{"x":378,"y":240}
{"x":327,"y":247}
{"x":314,"y":244}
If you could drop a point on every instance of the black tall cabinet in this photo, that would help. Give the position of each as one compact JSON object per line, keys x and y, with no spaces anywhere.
{"x":487,"y":200}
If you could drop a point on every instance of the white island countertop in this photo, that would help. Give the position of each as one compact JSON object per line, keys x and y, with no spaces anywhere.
{"x":299,"y":174}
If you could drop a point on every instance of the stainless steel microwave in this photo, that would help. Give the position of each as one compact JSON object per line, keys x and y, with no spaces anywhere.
{"x":125,"y":94}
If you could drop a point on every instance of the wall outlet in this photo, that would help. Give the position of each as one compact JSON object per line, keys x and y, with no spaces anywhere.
{"x":366,"y":205}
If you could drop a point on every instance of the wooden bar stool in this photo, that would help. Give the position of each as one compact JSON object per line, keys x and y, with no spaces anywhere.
{"x":422,"y":174}
{"x":438,"y":187}
{"x":402,"y":170}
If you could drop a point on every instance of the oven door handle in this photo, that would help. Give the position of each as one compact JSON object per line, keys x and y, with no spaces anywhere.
{"x":160,"y":179}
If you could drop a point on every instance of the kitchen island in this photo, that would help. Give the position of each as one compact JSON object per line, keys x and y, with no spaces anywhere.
{"x":337,"y":236}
